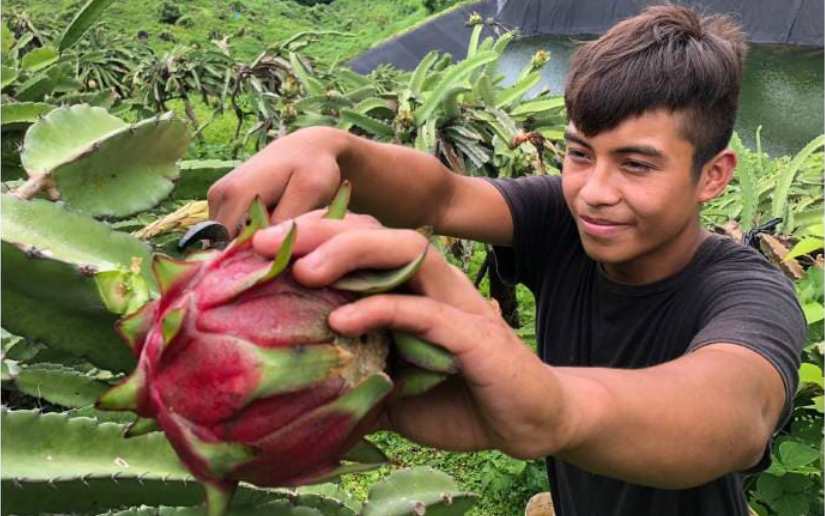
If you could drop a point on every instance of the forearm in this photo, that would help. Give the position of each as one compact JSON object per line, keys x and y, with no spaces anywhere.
{"x":659,"y":426}
{"x":399,"y":186}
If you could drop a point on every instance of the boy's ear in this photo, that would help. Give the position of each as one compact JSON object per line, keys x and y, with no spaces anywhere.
{"x":716,"y":174}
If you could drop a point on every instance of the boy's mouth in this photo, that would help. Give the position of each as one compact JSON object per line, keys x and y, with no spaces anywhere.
{"x":600,"y":228}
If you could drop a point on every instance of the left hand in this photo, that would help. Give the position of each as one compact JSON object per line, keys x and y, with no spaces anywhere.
{"x":504,"y":392}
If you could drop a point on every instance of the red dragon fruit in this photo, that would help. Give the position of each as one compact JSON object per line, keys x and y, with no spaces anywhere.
{"x":236,"y":364}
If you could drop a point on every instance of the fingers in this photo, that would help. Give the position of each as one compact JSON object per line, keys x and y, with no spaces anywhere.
{"x":331,"y":249}
{"x":307,"y":191}
{"x":312,"y":230}
{"x":382,"y":248}
{"x":281,"y":175}
{"x":228,"y":204}
{"x":360,"y":248}
{"x":438,"y":323}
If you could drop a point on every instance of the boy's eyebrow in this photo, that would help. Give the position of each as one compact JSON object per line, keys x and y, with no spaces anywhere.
{"x":645,"y":150}
{"x":569,"y":136}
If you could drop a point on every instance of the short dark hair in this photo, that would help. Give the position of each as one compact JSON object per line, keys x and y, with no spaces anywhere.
{"x":668,"y":56}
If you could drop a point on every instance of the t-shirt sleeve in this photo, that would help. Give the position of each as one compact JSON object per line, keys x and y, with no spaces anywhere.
{"x":539,"y":216}
{"x":757,"y":309}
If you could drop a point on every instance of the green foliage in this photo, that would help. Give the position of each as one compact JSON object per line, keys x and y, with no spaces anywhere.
{"x":82,"y":22}
{"x":501,"y":474}
{"x":764,"y":188}
{"x":169,"y":13}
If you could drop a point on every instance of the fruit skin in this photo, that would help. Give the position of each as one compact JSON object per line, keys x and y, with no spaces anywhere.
{"x":237,"y":366}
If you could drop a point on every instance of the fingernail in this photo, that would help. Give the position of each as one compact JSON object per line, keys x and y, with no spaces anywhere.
{"x":276,"y":232}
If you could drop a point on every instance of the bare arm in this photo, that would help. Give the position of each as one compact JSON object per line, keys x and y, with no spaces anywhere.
{"x":672,"y":426}
{"x":401,"y":187}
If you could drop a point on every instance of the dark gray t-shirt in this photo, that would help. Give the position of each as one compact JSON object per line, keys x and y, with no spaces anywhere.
{"x":728,"y":293}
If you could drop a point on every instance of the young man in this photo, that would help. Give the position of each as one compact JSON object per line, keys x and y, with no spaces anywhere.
{"x":667,"y":355}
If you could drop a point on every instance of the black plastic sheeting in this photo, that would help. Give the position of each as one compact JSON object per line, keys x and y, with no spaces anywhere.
{"x":793,"y":22}
{"x":447,"y":33}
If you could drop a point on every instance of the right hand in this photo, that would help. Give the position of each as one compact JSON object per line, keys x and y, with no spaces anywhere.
{"x":296,"y":173}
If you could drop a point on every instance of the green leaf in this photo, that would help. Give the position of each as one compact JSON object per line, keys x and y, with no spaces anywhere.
{"x":102,"y":166}
{"x":793,"y":504}
{"x":412,"y":381}
{"x":750,"y":196}
{"x":64,"y":134}
{"x":814,"y":312}
{"x":48,"y":284}
{"x":39,"y":58}
{"x":537,"y":106}
{"x":418,"y":490}
{"x":83,"y":21}
{"x":369,"y":124}
{"x":35,"y":88}
{"x":425,"y":140}
{"x":59,"y":385}
{"x":196,"y":176}
{"x":810,"y":374}
{"x":17,"y":115}
{"x":104,"y":99}
{"x":515,"y":92}
{"x":796,"y":455}
{"x":377,"y":281}
{"x":7,"y":76}
{"x":6,"y":43}
{"x":353,"y":79}
{"x":788,"y":173}
{"x":329,"y":498}
{"x":370,"y":104}
{"x":806,"y":245}
{"x":312,"y":85}
{"x":423,"y":354}
{"x":360,"y":93}
{"x":484,"y":90}
{"x":472,"y":47}
{"x":337,"y":209}
{"x":49,"y":465}
{"x":503,"y":42}
{"x":421,"y":71}
{"x":816,"y":230}
{"x":450,"y":78}
{"x":769,"y":488}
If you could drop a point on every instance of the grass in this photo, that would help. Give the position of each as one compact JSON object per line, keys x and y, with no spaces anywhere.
{"x":253,"y":24}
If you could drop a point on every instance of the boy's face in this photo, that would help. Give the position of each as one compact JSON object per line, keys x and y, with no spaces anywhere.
{"x":630,"y":189}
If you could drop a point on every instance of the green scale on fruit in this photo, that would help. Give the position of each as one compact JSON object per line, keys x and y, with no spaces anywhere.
{"x":238,"y":367}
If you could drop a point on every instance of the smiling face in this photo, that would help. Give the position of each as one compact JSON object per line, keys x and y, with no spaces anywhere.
{"x":633,"y":197}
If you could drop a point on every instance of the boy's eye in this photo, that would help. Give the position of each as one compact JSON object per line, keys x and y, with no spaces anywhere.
{"x":637,"y":166}
{"x":574,"y":153}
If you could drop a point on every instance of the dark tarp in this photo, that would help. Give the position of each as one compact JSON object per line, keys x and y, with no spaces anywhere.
{"x":795,"y":22}
{"x":447,"y":33}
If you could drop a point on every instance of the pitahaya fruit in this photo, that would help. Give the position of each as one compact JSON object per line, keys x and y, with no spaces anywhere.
{"x":236,"y":364}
